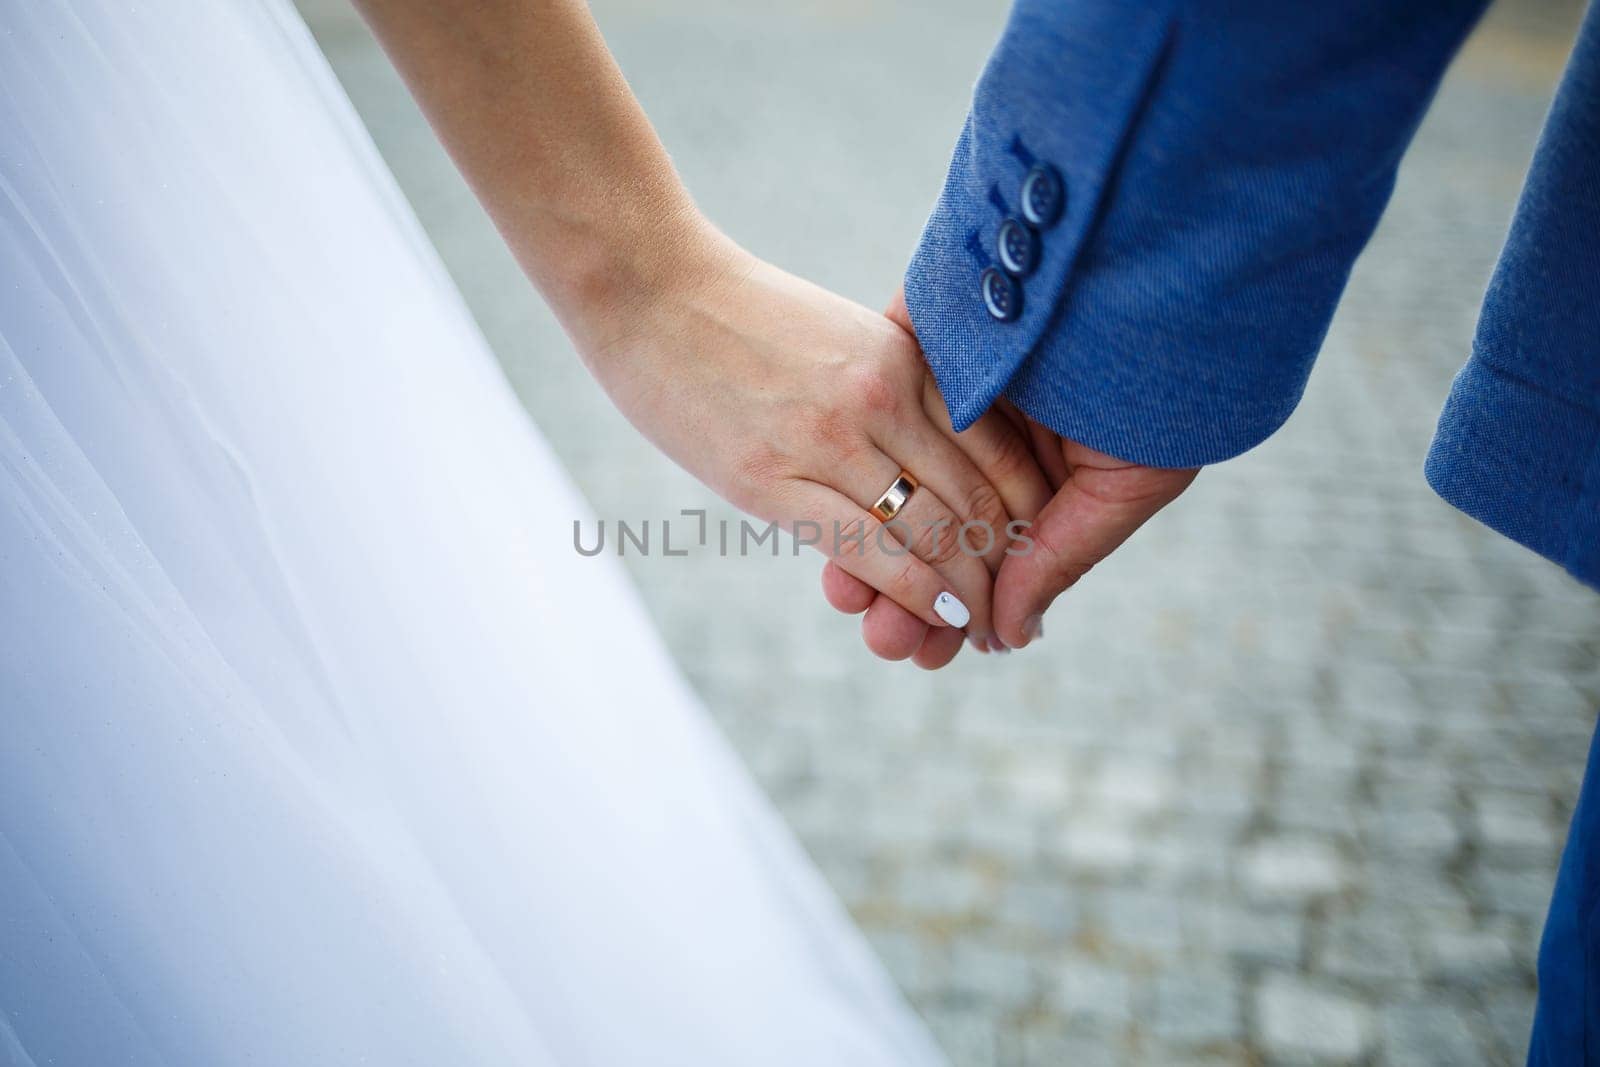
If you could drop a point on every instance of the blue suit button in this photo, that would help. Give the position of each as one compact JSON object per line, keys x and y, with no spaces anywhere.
{"x":1043,"y":196}
{"x":1018,"y":247}
{"x":1001,"y":295}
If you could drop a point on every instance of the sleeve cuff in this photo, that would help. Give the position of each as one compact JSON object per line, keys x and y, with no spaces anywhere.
{"x":1524,"y":462}
{"x":1221,"y":167}
{"x":1059,"y":92}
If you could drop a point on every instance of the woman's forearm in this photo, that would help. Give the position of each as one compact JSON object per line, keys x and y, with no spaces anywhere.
{"x":533,"y":109}
{"x":793,"y":403}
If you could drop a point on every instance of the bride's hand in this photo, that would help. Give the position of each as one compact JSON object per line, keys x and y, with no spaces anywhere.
{"x":801,"y":407}
{"x":795,"y":404}
{"x":1098,"y":502}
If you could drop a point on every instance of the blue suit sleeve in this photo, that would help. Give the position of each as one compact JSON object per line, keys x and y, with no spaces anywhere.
{"x":1518,"y":444}
{"x":1219,"y":167}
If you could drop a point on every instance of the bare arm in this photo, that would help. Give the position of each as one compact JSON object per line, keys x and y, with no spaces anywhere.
{"x":533,"y":109}
{"x":795,"y":404}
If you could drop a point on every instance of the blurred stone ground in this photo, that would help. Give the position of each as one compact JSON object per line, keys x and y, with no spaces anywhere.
{"x":1287,"y":780}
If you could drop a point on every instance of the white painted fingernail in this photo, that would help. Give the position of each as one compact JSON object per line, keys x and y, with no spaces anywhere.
{"x":951,"y":610}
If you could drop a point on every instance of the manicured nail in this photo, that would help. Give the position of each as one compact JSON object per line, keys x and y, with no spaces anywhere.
{"x":997,"y":645}
{"x":978,"y":643}
{"x":951,"y":610}
{"x":1033,"y":626}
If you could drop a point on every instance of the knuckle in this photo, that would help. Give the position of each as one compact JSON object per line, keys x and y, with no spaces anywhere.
{"x":903,"y":582}
{"x":1012,"y":458}
{"x":1066,"y":569}
{"x":938,"y":544}
{"x":758,"y":472}
{"x":787,"y":502}
{"x":835,"y":430}
{"x":821,"y":421}
{"x":850,"y":537}
{"x":875,"y":389}
{"x":983,"y":505}
{"x":761,"y":465}
{"x":848,"y":448}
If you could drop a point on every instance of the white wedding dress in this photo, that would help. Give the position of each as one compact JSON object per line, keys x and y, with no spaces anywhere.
{"x":318,"y":744}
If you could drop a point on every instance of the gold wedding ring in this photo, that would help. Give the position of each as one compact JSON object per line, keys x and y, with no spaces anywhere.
{"x":894,"y":498}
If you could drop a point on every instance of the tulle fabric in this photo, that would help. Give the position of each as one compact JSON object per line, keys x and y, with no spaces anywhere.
{"x":318,"y":743}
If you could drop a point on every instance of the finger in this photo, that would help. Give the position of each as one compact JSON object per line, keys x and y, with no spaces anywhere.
{"x":1044,"y":443}
{"x":1012,"y":415}
{"x":858,"y":543}
{"x":942,"y":466}
{"x":933,"y":532}
{"x":1095,"y":511}
{"x":892,"y":632}
{"x":1002,"y":453}
{"x":928,"y":528}
{"x":997,"y":443}
{"x":845,"y":591}
{"x":938,"y":649}
{"x":1046,"y":446}
{"x":889,"y":628}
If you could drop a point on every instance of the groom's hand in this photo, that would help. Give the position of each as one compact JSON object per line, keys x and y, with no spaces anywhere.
{"x":1098,"y":501}
{"x":999,"y":447}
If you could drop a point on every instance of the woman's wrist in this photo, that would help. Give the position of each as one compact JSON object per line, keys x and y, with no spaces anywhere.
{"x":632,"y":278}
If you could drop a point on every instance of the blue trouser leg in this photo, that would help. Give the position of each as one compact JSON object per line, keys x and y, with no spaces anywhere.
{"x":1564,"y":1027}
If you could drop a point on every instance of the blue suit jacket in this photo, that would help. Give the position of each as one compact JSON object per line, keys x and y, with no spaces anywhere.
{"x":1153,"y":209}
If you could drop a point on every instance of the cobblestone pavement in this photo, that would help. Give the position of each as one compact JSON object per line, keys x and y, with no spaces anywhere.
{"x":1287,"y":779}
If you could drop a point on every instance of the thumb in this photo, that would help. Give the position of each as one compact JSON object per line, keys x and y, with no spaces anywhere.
{"x":1094,"y":511}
